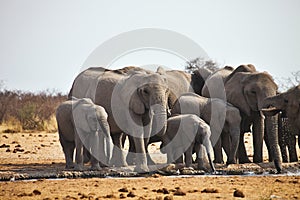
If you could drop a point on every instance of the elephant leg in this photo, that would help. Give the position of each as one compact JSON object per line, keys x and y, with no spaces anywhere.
{"x":272,"y":131}
{"x":199,"y":156}
{"x":258,"y":137}
{"x":130,"y":158}
{"x":235,"y":138}
{"x":118,"y":158}
{"x":226,"y":145}
{"x":188,"y":156}
{"x":218,"y":152}
{"x":86,"y":156}
{"x":68,"y":149}
{"x":149,"y":159}
{"x":140,"y":155}
{"x":282,"y":146}
{"x":242,"y":153}
{"x":95,"y":164}
{"x":292,"y":148}
{"x":179,"y":159}
{"x":79,"y":153}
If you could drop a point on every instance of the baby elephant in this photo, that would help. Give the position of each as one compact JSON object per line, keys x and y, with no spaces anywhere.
{"x":185,"y":133}
{"x":83,"y":125}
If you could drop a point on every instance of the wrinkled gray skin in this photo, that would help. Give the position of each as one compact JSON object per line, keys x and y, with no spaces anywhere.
{"x":178,"y":82}
{"x":246,"y":91}
{"x":289,"y":102}
{"x":211,"y":89}
{"x":185,"y":133}
{"x":135,"y":100}
{"x":222,"y":117}
{"x":245,"y":88}
{"x":83,"y":125}
{"x":287,"y":139}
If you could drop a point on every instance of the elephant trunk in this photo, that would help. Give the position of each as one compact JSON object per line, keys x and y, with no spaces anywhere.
{"x":272,"y":133}
{"x":209,"y":151}
{"x":158,"y":115}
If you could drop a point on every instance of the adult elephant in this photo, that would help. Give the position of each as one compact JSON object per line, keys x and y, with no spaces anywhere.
{"x":247,"y":91}
{"x":289,"y":102}
{"x":245,"y":88}
{"x":135,"y":101}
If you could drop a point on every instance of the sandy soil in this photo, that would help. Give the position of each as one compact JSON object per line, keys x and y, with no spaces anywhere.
{"x":39,"y":156}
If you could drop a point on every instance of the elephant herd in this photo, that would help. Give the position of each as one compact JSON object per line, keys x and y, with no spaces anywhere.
{"x":184,"y":111}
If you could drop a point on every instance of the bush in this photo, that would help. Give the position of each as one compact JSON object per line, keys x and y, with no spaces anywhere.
{"x":31,"y":111}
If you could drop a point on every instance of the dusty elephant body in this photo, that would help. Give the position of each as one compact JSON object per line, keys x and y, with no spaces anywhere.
{"x":135,"y":100}
{"x":185,"y":133}
{"x":223,"y":118}
{"x":287,"y":139}
{"x":289,"y":103}
{"x":245,"y":88}
{"x":83,"y":125}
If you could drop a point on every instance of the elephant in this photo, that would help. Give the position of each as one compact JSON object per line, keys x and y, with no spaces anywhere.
{"x":178,"y":82}
{"x":83,"y":125}
{"x":286,"y":139}
{"x":288,"y":102}
{"x":245,"y":88}
{"x":210,"y":85}
{"x":222,"y":118}
{"x":247,"y":91}
{"x":185,"y":133}
{"x":136,"y":103}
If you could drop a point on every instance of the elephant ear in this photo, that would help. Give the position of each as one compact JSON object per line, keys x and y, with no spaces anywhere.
{"x":80,"y":112}
{"x":128,"y":89}
{"x":136,"y":104}
{"x":160,"y":70}
{"x":235,"y":92}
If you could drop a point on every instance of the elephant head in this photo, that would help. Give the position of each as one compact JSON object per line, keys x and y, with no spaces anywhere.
{"x":247,"y":90}
{"x":288,"y":101}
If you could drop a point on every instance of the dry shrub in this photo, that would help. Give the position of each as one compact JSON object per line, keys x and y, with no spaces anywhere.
{"x":29,"y":111}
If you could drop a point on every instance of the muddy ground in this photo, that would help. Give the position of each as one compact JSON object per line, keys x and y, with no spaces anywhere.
{"x":32,"y":167}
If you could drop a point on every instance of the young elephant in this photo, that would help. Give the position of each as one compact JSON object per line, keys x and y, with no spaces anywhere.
{"x":83,"y":125}
{"x":185,"y":133}
{"x":223,"y":118}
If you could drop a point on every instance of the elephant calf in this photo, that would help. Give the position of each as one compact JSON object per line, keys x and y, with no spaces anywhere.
{"x":185,"y":133}
{"x":223,"y":118}
{"x":83,"y":125}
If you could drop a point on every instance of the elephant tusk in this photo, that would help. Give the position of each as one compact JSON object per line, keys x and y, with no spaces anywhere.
{"x":262,"y":115}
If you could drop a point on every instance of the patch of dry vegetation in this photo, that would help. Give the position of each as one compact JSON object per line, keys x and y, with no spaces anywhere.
{"x":27,"y":111}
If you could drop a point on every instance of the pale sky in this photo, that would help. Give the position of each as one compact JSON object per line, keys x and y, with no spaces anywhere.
{"x":44,"y":43}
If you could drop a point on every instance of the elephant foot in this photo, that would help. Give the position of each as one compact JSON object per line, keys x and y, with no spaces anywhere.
{"x":218,"y":161}
{"x":231,"y":162}
{"x":69,"y":166}
{"x":257,"y":160}
{"x":278,"y":166}
{"x":149,"y":160}
{"x":95,"y":167}
{"x":244,"y":160}
{"x":130,"y":159}
{"x":119,"y":163}
{"x":78,"y":167}
{"x":141,"y":169}
{"x":118,"y":159}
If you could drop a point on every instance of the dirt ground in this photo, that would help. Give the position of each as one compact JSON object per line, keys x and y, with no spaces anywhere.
{"x":32,"y":167}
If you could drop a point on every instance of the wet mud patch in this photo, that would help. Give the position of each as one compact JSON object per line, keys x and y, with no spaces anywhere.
{"x":12,"y":172}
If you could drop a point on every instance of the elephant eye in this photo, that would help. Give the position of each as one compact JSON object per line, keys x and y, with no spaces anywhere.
{"x":145,"y":91}
{"x":253,"y":92}
{"x":286,"y":101}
